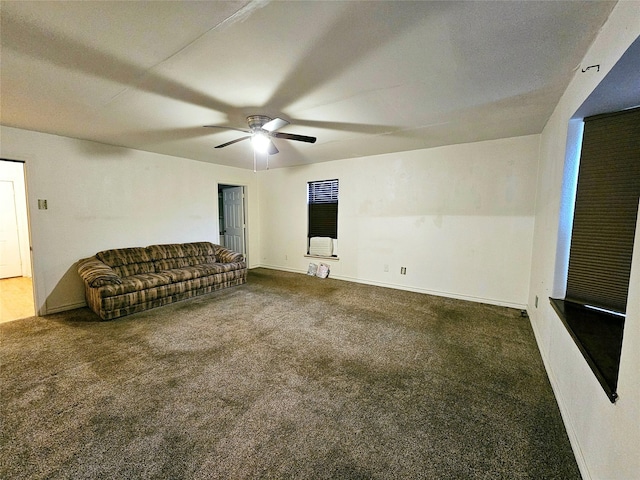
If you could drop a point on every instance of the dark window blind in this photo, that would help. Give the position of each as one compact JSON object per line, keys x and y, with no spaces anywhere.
{"x":323,"y":208}
{"x":606,"y":210}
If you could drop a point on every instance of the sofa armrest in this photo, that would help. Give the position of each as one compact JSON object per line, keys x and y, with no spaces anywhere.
{"x":96,"y":273}
{"x":224,"y":255}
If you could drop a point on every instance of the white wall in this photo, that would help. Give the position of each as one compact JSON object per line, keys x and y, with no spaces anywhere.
{"x":460,"y":218}
{"x":604,"y":436}
{"x":102,"y":197}
{"x":14,"y":172}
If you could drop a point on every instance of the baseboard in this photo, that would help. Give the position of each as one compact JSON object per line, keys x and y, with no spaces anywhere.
{"x":46,"y":310}
{"x":457,"y":296}
{"x":274,"y":267}
{"x":564,"y":413}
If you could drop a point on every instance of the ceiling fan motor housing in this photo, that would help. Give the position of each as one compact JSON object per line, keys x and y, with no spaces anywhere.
{"x":257,"y":121}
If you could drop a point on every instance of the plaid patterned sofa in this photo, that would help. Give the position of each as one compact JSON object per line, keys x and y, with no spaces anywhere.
{"x":128,"y":280}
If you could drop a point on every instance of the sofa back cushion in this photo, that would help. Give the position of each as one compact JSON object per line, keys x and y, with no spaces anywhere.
{"x":179,"y":255}
{"x":127,"y":261}
{"x":200,"y":252}
{"x":168,"y":256}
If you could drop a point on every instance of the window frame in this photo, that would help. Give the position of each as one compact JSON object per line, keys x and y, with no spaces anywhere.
{"x":596,"y":323}
{"x":322,"y":209}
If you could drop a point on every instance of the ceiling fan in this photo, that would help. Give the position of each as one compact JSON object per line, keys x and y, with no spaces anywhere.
{"x":261,"y":130}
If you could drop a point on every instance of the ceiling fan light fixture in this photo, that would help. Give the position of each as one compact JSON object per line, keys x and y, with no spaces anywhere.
{"x":261,"y":130}
{"x":260,"y":142}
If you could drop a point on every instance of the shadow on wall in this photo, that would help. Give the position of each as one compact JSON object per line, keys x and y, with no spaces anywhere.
{"x":67,"y":294}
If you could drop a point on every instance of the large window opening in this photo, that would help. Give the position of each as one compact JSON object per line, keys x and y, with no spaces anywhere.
{"x":602,"y":238}
{"x":595,"y":321}
{"x":606,"y":208}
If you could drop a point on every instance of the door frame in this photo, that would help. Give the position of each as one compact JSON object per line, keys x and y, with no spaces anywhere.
{"x":24,"y":200}
{"x":221,"y":187}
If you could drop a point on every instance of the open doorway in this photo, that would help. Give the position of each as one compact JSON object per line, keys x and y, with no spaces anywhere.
{"x":16,"y":283}
{"x":231,"y":209}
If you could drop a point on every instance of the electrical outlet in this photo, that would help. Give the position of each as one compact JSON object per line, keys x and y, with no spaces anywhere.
{"x":42,"y":204}
{"x":403,"y":270}
{"x":386,"y":267}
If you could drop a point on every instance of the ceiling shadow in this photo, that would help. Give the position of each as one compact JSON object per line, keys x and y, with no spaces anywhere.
{"x":355,"y":34}
{"x":348,"y":127}
{"x":153,"y":137}
{"x":27,"y":39}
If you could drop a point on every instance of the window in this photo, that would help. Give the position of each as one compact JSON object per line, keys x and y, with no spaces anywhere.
{"x":602,"y":237}
{"x":606,"y":209}
{"x":322,"y":200}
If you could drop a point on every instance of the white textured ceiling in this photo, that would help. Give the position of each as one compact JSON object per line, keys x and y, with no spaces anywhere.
{"x":363,"y":77}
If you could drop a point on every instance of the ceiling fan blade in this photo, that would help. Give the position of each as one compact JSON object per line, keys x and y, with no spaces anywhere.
{"x":227,"y":128}
{"x":272,"y":148}
{"x":274,"y":124}
{"x":233,"y":141}
{"x":292,"y":136}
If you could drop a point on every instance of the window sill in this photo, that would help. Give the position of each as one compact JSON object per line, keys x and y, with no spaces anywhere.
{"x":598,"y":336}
{"x":321,"y":257}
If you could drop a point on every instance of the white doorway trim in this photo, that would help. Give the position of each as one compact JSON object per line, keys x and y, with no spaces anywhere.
{"x":15,"y":172}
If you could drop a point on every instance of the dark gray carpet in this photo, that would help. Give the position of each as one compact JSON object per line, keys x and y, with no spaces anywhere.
{"x":288,"y":376}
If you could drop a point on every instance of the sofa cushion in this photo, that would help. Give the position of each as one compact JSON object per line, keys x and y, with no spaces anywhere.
{"x":195,"y":271}
{"x":179,"y":255}
{"x":168,"y":256}
{"x":199,"y":249}
{"x":165,"y":251}
{"x":134,"y":283}
{"x":127,"y":261}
